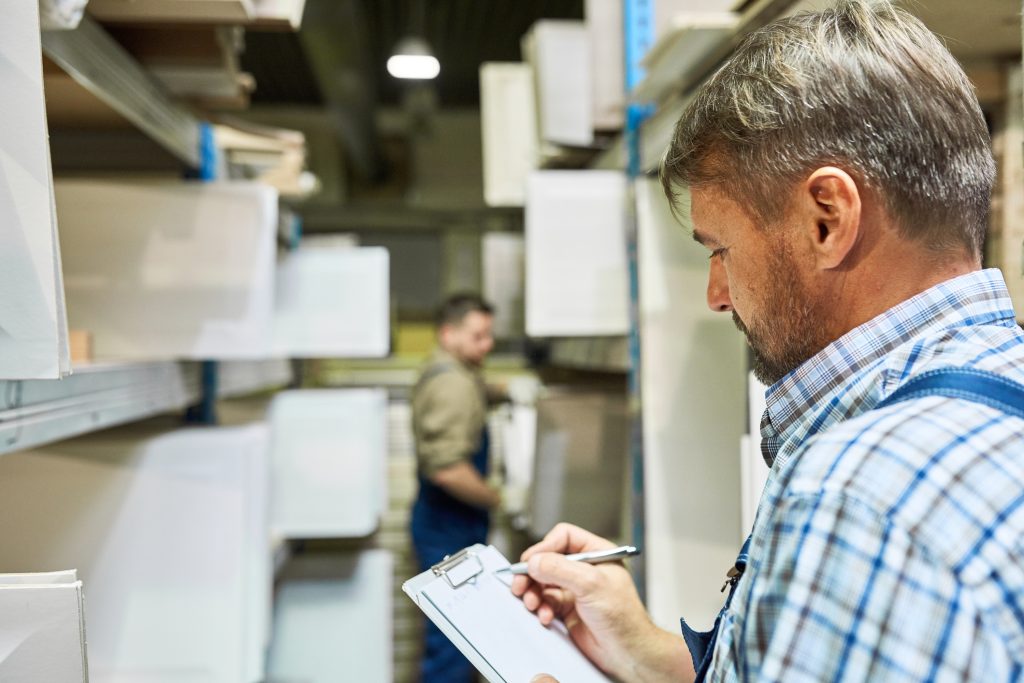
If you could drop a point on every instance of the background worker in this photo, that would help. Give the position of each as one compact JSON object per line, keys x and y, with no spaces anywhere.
{"x":449,"y":412}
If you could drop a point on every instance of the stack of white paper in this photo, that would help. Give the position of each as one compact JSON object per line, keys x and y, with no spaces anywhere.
{"x":33,"y":323}
{"x":174,"y":270}
{"x":605,"y":26}
{"x":508,"y":121}
{"x":519,"y":442}
{"x":504,"y":263}
{"x":559,"y":53}
{"x":169,"y":532}
{"x":280,"y":13}
{"x":329,"y":462}
{"x":42,"y":628}
{"x":332,"y":302}
{"x":576,"y":272}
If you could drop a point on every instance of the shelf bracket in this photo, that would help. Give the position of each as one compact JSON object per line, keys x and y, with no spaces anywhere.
{"x":99,"y":64}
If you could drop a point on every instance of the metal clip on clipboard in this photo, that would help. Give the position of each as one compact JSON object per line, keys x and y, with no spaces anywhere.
{"x":460,"y":568}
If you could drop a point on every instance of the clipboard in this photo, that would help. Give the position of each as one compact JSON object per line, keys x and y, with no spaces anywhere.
{"x":474,"y":607}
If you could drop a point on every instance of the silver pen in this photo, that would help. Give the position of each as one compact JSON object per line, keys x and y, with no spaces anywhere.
{"x":592,"y":557}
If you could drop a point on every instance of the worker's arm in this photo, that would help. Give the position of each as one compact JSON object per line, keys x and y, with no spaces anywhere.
{"x":463,"y":482}
{"x":449,"y":420}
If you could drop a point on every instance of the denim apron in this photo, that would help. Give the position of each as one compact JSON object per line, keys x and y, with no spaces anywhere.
{"x":966,"y":384}
{"x":442,"y":525}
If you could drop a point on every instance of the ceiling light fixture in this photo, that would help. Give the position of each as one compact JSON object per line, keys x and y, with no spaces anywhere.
{"x":413,"y":59}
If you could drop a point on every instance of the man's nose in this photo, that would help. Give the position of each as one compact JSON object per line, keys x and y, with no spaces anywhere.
{"x":718,"y":288}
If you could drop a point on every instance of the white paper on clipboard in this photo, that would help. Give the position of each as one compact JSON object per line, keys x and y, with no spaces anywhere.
{"x":492,"y":627}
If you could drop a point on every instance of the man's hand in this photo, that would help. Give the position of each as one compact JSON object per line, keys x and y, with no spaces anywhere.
{"x":600,"y":607}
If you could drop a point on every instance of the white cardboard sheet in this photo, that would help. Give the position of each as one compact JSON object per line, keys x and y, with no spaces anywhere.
{"x":329,"y":462}
{"x":170,"y":270}
{"x":332,"y":619}
{"x":42,"y":628}
{"x":168,"y":531}
{"x":559,"y":53}
{"x":33,"y":322}
{"x":509,"y":126}
{"x":333,"y":302}
{"x":576,"y":271}
{"x":504,"y":260}
{"x":695,"y":400}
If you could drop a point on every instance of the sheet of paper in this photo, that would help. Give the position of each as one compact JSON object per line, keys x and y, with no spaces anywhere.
{"x":170,"y":270}
{"x":333,"y":302}
{"x":33,"y":321}
{"x":508,"y":118}
{"x":559,"y":53}
{"x":328,"y":462}
{"x":332,"y":619}
{"x":41,"y":632}
{"x":168,"y":529}
{"x":576,"y":269}
{"x":503,"y":273}
{"x":504,"y":632}
{"x":68,"y":576}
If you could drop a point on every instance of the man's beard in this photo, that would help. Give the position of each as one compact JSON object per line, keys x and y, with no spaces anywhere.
{"x":790,"y":328}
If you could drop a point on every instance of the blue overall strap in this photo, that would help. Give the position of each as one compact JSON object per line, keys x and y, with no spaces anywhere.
{"x":977,"y":386}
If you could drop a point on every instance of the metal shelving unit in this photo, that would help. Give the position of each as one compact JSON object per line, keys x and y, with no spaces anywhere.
{"x":98,"y":63}
{"x":37,"y":412}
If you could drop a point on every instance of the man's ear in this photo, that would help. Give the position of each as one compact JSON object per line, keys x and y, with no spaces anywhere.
{"x":833,"y":204}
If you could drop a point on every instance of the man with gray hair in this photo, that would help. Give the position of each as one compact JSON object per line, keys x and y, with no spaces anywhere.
{"x":839,"y":170}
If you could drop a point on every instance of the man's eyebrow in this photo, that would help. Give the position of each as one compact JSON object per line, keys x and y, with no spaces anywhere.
{"x":703,"y":239}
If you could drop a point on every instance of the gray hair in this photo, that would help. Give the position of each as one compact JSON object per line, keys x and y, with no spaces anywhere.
{"x":862,"y":86}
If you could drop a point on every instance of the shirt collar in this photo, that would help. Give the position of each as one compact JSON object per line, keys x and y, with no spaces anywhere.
{"x":442,"y":357}
{"x":978,"y":298}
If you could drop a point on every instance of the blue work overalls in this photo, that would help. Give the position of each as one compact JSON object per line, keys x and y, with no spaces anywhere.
{"x":442,"y":525}
{"x":967,"y":384}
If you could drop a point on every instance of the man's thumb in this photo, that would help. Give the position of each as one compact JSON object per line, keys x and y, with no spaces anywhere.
{"x":542,"y":678}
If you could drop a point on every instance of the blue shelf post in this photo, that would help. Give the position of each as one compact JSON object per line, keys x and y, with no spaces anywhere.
{"x":638,"y":27}
{"x":205,"y":412}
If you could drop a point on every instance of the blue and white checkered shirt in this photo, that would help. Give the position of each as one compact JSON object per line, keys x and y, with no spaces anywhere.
{"x":889,"y":544}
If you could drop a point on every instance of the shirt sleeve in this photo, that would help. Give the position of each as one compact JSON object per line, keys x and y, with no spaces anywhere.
{"x":841,"y":594}
{"x":446,"y":433}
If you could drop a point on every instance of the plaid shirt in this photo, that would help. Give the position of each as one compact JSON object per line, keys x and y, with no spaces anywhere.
{"x":889,"y":544}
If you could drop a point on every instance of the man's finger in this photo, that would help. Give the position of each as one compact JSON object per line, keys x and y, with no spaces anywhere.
{"x":561,"y":600}
{"x":552,"y":569}
{"x":520,"y":582}
{"x":543,"y":678}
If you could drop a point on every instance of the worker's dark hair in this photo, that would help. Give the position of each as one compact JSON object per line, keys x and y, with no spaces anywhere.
{"x":458,"y":306}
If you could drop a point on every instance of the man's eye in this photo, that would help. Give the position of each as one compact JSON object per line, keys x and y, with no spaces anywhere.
{"x":717,"y":252}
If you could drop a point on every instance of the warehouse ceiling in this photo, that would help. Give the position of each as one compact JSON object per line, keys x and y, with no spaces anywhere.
{"x":338,"y":60}
{"x":359,"y":35}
